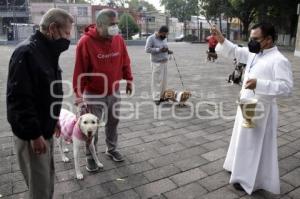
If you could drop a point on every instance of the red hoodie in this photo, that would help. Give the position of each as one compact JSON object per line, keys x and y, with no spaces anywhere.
{"x":212,"y":41}
{"x":100,"y":57}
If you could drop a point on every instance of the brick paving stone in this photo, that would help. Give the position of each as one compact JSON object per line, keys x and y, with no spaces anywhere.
{"x":142,"y":156}
{"x":162,"y":172}
{"x":164,"y":160}
{"x":193,"y":142}
{"x":140,"y":127}
{"x":223,"y":193}
{"x":173,"y":140}
{"x":281,"y":141}
{"x":213,"y":167}
{"x":171,"y":148}
{"x":190,"y":163}
{"x":189,"y":191}
{"x":19,"y":187}
{"x":215,"y":145}
{"x":142,"y":147}
{"x":123,"y":184}
{"x":99,"y":178}
{"x":67,"y":187}
{"x":295,"y":194}
{"x":6,"y":189}
{"x":159,"y":129}
{"x":134,"y":169}
{"x":285,"y":188}
{"x":195,"y":134}
{"x":131,"y":142}
{"x":130,"y":194}
{"x":215,"y":181}
{"x":93,"y":192}
{"x":295,"y":144}
{"x":215,"y":155}
{"x":188,"y":176}
{"x":155,"y":188}
{"x":135,"y":134}
{"x":289,"y":163}
{"x":198,"y":150}
{"x":285,"y":151}
{"x":293,"y":177}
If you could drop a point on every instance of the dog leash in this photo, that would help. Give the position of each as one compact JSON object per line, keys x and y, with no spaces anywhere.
{"x":82,"y":109}
{"x":180,"y":77}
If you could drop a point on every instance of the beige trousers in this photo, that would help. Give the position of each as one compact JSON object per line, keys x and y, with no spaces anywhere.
{"x":38,"y":170}
{"x":159,"y":79}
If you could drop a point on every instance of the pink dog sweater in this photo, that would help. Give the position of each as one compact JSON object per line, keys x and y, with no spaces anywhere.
{"x":68,"y":126}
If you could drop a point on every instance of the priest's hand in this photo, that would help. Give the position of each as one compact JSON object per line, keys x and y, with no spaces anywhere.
{"x":251,"y":84}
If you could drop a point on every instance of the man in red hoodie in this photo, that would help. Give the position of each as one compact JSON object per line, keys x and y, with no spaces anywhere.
{"x":101,"y":62}
{"x":212,"y":43}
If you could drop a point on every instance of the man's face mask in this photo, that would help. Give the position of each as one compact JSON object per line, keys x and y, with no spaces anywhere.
{"x":113,"y":30}
{"x":254,"y":46}
{"x":60,"y":45}
{"x":162,"y":37}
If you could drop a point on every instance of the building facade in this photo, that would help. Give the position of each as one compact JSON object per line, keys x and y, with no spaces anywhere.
{"x":13,"y":11}
{"x":81,"y":13}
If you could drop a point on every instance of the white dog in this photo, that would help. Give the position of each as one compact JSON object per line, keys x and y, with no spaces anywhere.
{"x":78,"y":131}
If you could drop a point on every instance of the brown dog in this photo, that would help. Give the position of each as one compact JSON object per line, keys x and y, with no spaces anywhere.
{"x":169,"y":94}
{"x":182,"y":97}
{"x":211,"y":56}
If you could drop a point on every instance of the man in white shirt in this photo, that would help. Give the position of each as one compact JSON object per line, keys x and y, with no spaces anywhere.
{"x":252,"y":154}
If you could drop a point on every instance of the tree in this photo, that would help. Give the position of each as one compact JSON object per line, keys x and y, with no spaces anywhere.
{"x":182,"y":9}
{"x":133,"y":4}
{"x":133,"y":28}
{"x":246,"y":12}
{"x":113,"y":3}
{"x":138,"y":5}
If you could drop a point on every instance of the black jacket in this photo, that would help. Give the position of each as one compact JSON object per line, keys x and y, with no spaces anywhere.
{"x":34,"y":89}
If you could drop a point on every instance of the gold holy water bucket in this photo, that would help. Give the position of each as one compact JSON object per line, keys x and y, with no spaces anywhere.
{"x":248,"y":111}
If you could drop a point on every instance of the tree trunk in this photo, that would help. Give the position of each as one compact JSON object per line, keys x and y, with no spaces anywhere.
{"x":228,"y":28}
{"x":245,"y":30}
{"x":220,"y":21}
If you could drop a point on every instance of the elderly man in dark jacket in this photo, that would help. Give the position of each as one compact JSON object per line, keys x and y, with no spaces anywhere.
{"x":34,"y":96}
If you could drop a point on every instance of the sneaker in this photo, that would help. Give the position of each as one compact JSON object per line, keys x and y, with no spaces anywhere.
{"x":91,"y":165}
{"x":115,"y":156}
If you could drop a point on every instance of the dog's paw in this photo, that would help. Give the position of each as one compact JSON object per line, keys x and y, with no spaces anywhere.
{"x":79,"y":176}
{"x":66,"y":150}
{"x":65,"y":159}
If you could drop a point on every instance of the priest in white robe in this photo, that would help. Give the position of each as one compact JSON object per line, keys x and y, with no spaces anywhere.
{"x":252,"y":156}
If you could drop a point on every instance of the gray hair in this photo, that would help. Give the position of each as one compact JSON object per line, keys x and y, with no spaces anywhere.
{"x":55,"y":15}
{"x":104,"y":15}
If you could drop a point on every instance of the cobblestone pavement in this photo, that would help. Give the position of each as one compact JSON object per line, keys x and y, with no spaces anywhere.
{"x":166,"y":156}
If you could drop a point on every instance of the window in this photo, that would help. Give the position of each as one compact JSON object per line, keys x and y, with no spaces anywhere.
{"x":82,"y":11}
{"x":151,"y":19}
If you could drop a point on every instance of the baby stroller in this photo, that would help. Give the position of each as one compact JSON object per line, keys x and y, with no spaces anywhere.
{"x":236,"y":76}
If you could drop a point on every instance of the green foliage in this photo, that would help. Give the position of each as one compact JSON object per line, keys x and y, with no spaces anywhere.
{"x":282,"y":13}
{"x":133,"y":4}
{"x":138,"y":5}
{"x":133,"y":28}
{"x":182,"y":9}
